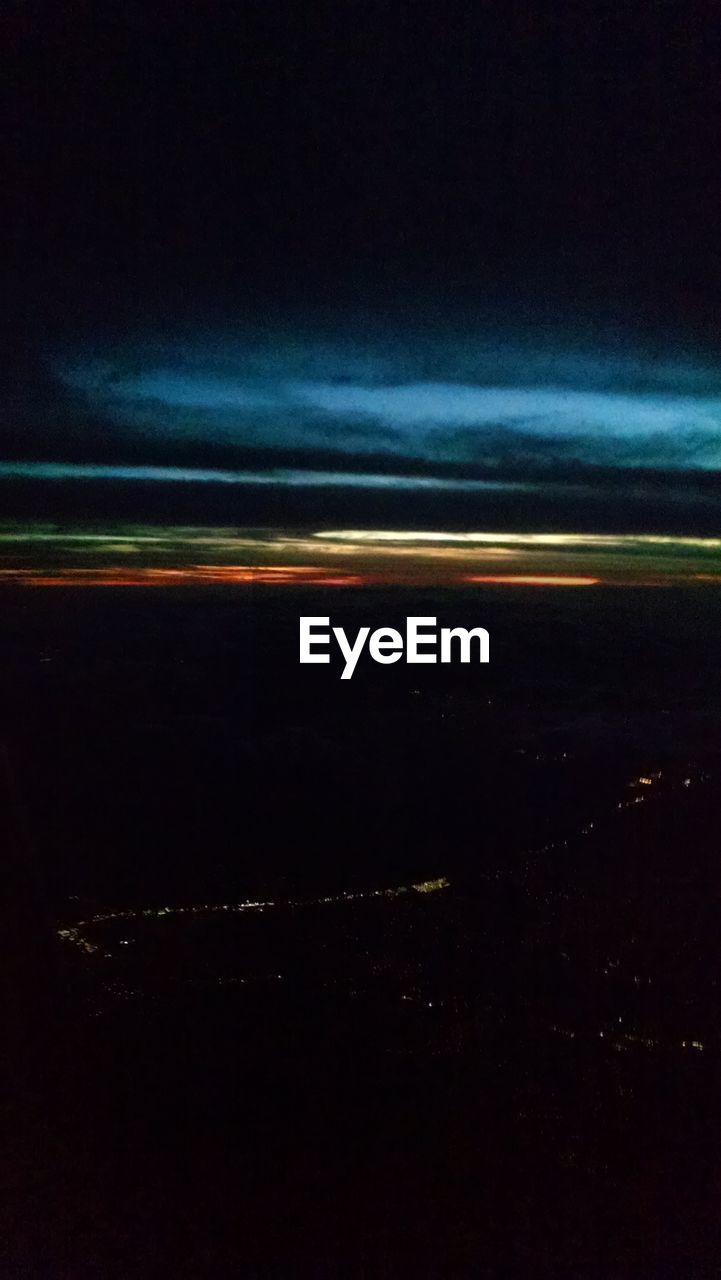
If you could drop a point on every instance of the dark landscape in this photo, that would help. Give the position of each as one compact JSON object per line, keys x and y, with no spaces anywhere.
{"x":412,"y":975}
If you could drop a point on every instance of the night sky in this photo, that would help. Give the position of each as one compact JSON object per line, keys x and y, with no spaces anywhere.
{"x":281,"y":272}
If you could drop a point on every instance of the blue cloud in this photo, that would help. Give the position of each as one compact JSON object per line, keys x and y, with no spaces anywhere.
{"x":449,"y":401}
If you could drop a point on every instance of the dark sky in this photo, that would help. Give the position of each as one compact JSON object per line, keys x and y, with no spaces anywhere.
{"x":206,"y":143}
{"x":470,"y":240}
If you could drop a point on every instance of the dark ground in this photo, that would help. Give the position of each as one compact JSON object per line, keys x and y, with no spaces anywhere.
{"x":514,"y":1075}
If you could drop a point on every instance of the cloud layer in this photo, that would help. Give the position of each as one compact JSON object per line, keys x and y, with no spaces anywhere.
{"x":409,"y":408}
{"x":446,"y":401}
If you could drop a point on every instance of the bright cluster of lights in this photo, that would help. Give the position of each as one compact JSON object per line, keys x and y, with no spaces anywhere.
{"x":75,"y":933}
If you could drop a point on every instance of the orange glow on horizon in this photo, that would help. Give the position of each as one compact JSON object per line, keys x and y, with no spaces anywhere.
{"x":532,"y":580}
{"x":345,"y":572}
{"x":192,"y":574}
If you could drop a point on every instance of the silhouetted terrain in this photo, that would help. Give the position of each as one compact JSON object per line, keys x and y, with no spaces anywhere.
{"x":411,"y":975}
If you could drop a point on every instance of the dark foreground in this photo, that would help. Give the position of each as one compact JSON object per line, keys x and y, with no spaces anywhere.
{"x":229,"y":1053}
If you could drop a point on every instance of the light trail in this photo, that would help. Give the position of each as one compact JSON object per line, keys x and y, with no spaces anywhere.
{"x":74,"y":933}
